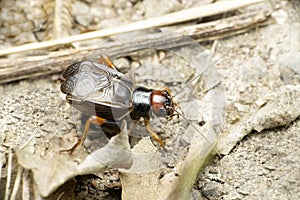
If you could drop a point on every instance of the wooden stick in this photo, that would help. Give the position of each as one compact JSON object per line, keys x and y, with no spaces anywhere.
{"x":168,"y":19}
{"x":223,"y":28}
{"x":20,"y":68}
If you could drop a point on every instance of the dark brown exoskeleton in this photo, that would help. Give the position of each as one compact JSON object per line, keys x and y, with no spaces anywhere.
{"x":107,"y":95}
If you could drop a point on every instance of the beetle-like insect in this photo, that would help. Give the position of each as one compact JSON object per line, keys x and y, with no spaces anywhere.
{"x":108,"y":96}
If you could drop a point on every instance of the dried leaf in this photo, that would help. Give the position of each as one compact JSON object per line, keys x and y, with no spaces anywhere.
{"x":116,"y":154}
{"x":139,"y":182}
{"x":282,"y":109}
{"x":51,"y":172}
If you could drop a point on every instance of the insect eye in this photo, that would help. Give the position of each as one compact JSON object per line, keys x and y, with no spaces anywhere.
{"x":162,"y":111}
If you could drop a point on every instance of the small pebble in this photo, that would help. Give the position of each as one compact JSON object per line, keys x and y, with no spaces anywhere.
{"x":269,"y":167}
{"x":212,"y":190}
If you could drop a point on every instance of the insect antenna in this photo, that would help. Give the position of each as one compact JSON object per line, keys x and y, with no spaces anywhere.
{"x":200,"y":74}
{"x":193,"y":125}
{"x":198,"y":131}
{"x":207,"y":65}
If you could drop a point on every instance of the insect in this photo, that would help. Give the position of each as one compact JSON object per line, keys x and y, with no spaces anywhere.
{"x":109,"y":96}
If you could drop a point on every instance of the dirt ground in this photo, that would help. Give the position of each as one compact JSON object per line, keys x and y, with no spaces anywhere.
{"x":253,"y":65}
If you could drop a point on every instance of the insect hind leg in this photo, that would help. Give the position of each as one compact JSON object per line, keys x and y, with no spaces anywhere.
{"x":91,"y":120}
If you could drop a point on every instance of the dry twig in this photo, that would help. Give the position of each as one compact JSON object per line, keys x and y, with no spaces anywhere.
{"x":54,"y":62}
{"x":168,"y":19}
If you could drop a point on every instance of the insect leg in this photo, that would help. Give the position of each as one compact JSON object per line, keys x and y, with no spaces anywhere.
{"x":94,"y":120}
{"x":153,"y":134}
{"x":105,"y":60}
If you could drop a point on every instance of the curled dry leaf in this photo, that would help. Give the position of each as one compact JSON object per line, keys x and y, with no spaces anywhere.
{"x":116,"y":154}
{"x":149,"y":178}
{"x":282,"y":109}
{"x":51,"y":172}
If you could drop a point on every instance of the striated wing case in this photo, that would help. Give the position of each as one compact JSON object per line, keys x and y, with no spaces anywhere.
{"x":96,"y":89}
